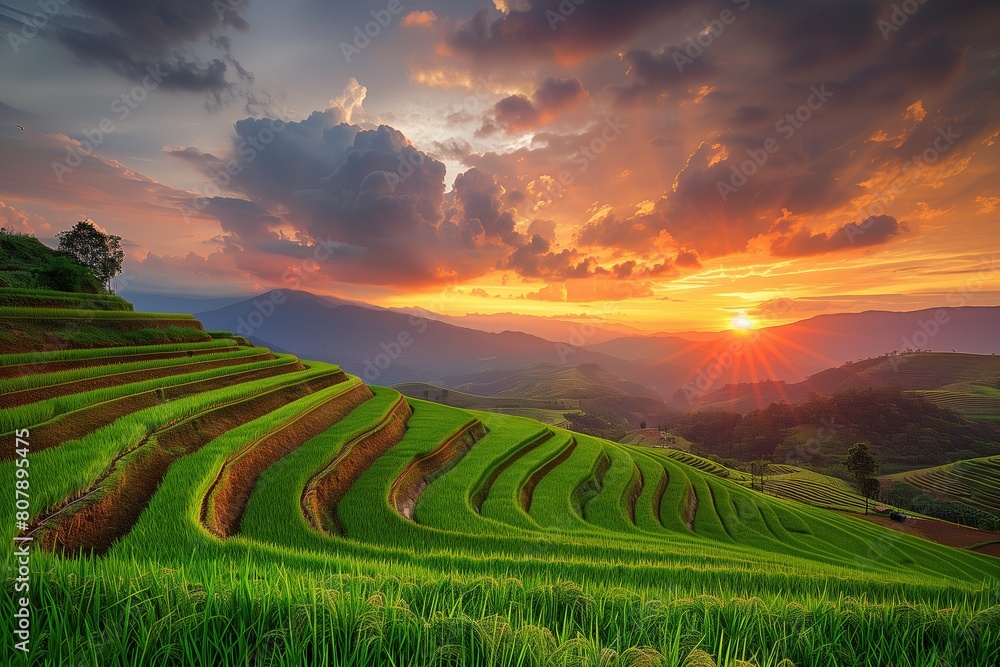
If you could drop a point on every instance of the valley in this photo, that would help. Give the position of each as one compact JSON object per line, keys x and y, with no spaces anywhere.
{"x":191,"y":478}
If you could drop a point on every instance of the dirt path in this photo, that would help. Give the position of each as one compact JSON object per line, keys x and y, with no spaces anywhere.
{"x":633,"y":493}
{"x":78,"y":423}
{"x":115,"y":501}
{"x":327,"y":489}
{"x":528,"y":490}
{"x":482,"y":493}
{"x":224,"y":504}
{"x":942,"y":532}
{"x":408,"y":487}
{"x":692,"y":507}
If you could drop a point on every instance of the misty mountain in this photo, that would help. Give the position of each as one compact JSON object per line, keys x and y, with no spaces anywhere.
{"x":546,"y":381}
{"x":176,"y":303}
{"x":792,"y":352}
{"x":387,"y":347}
{"x":583,"y":332}
{"x":917,"y":371}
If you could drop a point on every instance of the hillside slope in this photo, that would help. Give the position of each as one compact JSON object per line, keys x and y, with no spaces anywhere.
{"x":793,"y":352}
{"x":938,"y":375}
{"x":384,"y":346}
{"x":253,"y":508}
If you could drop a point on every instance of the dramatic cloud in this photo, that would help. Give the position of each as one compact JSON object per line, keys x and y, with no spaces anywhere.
{"x":371,"y":202}
{"x":870,"y":232}
{"x":142,"y":38}
{"x":377,"y":209}
{"x":555,"y":96}
{"x":13,"y":220}
{"x":669,"y":71}
{"x":536,"y":260}
{"x":687,"y":259}
{"x":594,"y":150}
{"x":560,"y":30}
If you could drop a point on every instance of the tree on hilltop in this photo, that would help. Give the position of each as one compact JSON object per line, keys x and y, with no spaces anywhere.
{"x":100,"y":252}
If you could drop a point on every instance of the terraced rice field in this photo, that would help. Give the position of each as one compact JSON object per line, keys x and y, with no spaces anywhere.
{"x":814,"y":489}
{"x":975,"y":482}
{"x":41,"y":298}
{"x":705,"y":465}
{"x":786,"y":481}
{"x":979,"y":405}
{"x":268,"y":510}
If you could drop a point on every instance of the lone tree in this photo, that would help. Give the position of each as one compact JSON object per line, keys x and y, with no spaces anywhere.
{"x":759,"y":469}
{"x":101,"y":253}
{"x":864,"y":467}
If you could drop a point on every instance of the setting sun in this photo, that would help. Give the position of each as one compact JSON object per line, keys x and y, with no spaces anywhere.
{"x":741,"y":322}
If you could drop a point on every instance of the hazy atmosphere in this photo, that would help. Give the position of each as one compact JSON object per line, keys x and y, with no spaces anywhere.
{"x":665,"y":164}
{"x":523,"y":333}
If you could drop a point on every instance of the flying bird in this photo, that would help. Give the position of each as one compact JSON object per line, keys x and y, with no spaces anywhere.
{"x":20,"y":128}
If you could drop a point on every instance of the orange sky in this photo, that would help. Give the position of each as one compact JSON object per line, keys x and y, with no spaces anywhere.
{"x":802,"y":160}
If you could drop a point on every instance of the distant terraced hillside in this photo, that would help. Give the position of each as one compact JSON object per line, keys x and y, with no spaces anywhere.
{"x":975,"y":401}
{"x":785,"y":481}
{"x":975,"y":482}
{"x":550,"y":411}
{"x":205,"y":502}
{"x":966,"y":383}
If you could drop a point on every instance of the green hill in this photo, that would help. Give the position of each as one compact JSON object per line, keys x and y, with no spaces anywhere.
{"x":969,"y":384}
{"x":549,"y":411}
{"x":973,"y":482}
{"x":906,"y":431}
{"x":548,"y":381}
{"x":210,"y":503}
{"x":26,"y":262}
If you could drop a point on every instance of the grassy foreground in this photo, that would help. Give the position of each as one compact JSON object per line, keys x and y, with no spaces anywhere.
{"x":205,"y":516}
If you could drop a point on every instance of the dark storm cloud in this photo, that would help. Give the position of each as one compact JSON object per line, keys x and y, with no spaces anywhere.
{"x":556,"y":29}
{"x":872,"y":231}
{"x":840,"y":42}
{"x":544,"y":228}
{"x":820,"y":165}
{"x":688,"y":260}
{"x":671,"y":70}
{"x":693,"y":214}
{"x":372,"y":196}
{"x":555,"y":96}
{"x":812,"y":34}
{"x":135,"y":37}
{"x":478,"y":205}
{"x":535,"y":259}
{"x":270,"y":158}
{"x":380,"y":201}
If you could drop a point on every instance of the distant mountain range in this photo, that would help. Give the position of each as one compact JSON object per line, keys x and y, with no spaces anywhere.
{"x":953,"y":375}
{"x":582,"y":331}
{"x":547,"y":381}
{"x":793,"y":352}
{"x":174,"y":303}
{"x":387,"y":346}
